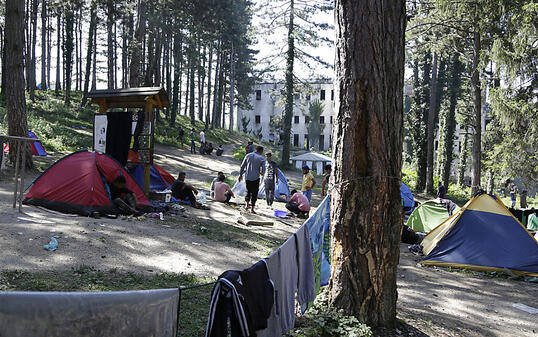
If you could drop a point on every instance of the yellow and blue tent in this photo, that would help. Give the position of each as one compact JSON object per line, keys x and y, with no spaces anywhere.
{"x":484,"y":236}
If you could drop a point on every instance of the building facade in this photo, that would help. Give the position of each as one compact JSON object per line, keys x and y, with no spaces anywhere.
{"x":264,"y":119}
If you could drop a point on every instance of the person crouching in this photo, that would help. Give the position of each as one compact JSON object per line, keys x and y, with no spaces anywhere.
{"x":298,"y":204}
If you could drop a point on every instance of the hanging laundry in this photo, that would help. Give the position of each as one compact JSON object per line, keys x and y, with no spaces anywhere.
{"x":319,"y":228}
{"x":243,"y":297}
{"x":118,"y":135}
{"x":292,"y":271}
{"x":85,"y":314}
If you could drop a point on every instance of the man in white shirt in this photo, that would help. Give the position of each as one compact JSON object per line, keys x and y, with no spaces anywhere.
{"x":202,"y":136}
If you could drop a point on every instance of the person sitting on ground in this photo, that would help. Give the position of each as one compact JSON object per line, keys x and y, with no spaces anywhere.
{"x":325,"y":183}
{"x":183,"y":191}
{"x":209,"y":148}
{"x":212,"y":187}
{"x":298,"y":204}
{"x":223,"y":192}
{"x":308,"y":183}
{"x":123,"y":197}
{"x":441,"y":190}
{"x":220,"y":150}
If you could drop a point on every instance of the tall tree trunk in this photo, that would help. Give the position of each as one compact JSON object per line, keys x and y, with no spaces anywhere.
{"x":422,"y":144}
{"x":176,"y":104}
{"x":110,"y":43}
{"x":94,"y":62}
{"x":49,"y":52}
{"x":44,"y":45}
{"x":89,"y":51}
{"x":454,"y":90}
{"x":462,"y":165}
{"x":191,"y":88}
{"x":232,"y":87}
{"x":431,"y":125}
{"x":31,"y":71}
{"x":208,"y":113}
{"x":3,"y":46}
{"x":477,"y":120}
{"x":288,"y":107}
{"x":115,"y":59}
{"x":220,"y":93}
{"x":58,"y":85}
{"x":187,"y":81}
{"x":15,"y":97}
{"x":68,"y":52}
{"x":366,"y":212}
{"x":75,"y":30}
{"x":136,"y":46}
{"x":215,"y":96}
{"x":201,"y":80}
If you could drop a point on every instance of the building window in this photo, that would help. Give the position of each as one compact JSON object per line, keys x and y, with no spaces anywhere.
{"x":308,"y":97}
{"x":322,"y":95}
{"x":321,"y":142}
{"x":296,"y":119}
{"x":332,"y":95}
{"x":307,"y":119}
{"x":258,"y":95}
{"x":296,"y":140}
{"x":258,"y":119}
{"x":331,"y":119}
{"x":321,"y":119}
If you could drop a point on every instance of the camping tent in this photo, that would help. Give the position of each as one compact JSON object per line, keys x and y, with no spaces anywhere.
{"x":483,"y":235}
{"x":37,"y":147}
{"x":408,"y":201}
{"x":78,"y":183}
{"x":283,"y":188}
{"x":160,"y":180}
{"x":316,"y":161}
{"x":429,"y":215}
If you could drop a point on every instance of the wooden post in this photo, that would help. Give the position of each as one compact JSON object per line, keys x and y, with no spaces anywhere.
{"x":18,"y":153}
{"x":22,"y":147}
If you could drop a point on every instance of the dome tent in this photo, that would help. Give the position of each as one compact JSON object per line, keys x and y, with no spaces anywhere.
{"x":160,"y":180}
{"x":78,"y":184}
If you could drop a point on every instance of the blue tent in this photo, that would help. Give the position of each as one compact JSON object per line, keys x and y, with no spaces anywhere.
{"x":483,"y":236}
{"x":160,"y":180}
{"x":408,"y":201}
{"x":283,"y":187}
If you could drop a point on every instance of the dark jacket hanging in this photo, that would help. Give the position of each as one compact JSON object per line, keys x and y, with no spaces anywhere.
{"x":118,"y":135}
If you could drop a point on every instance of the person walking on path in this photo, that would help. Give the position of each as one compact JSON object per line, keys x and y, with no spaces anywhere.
{"x":193,"y":140}
{"x":325,"y":183}
{"x":251,"y":167}
{"x":270,"y":178}
{"x":308,"y":183}
{"x":180,"y":134}
{"x":202,"y":137}
{"x":513,"y":196}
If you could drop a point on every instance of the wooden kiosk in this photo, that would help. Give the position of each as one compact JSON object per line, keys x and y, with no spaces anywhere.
{"x":147,"y":99}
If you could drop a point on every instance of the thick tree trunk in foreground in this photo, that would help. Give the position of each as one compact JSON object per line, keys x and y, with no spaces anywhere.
{"x":366,"y":211}
{"x":15,"y":97}
{"x":477,"y":120}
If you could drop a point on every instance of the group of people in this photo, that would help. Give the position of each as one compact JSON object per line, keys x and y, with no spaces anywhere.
{"x":205,"y":147}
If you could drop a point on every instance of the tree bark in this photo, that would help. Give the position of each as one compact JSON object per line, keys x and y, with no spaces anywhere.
{"x":31,"y":71}
{"x":366,"y":211}
{"x":215,"y":88}
{"x":191,"y":87}
{"x":44,"y":45}
{"x":431,"y":125}
{"x":110,"y":43}
{"x":68,"y":52}
{"x":232,"y":87}
{"x":94,"y":62}
{"x":89,"y":51}
{"x":15,"y":97}
{"x":49,"y":51}
{"x":58,"y":86}
{"x":477,"y":120}
{"x":454,"y":90}
{"x":136,"y":46}
{"x":208,"y":110}
{"x":176,"y":104}
{"x":288,"y":107}
{"x":422,"y":145}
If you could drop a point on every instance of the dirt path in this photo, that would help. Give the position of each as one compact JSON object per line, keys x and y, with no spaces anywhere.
{"x":432,"y":302}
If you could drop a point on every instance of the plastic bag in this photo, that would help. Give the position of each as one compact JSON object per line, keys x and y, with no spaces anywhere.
{"x":240,"y":188}
{"x":53,"y":244}
{"x":202,"y":197}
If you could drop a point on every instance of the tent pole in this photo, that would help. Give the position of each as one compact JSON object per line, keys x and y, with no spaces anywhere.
{"x":23,"y":146}
{"x":18,"y":154}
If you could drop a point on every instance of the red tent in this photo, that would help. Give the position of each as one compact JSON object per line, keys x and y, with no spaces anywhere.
{"x":78,"y":183}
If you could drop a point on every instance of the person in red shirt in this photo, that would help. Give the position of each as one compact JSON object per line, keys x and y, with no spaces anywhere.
{"x":298,"y":204}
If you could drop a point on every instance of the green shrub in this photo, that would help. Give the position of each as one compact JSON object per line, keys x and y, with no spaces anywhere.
{"x":460,"y":195}
{"x":409,"y":177}
{"x":321,"y":320}
{"x":239,"y":153}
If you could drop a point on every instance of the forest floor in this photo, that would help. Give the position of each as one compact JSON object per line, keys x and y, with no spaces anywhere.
{"x":128,"y":253}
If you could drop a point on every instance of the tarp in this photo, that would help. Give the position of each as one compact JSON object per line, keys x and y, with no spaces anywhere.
{"x":532,"y":222}
{"x":160,"y":180}
{"x":36,"y":147}
{"x":428,"y":215}
{"x":408,"y":201}
{"x":79,"y":184}
{"x":483,"y":235}
{"x":312,"y":156}
{"x":319,"y":227}
{"x":89,"y":314}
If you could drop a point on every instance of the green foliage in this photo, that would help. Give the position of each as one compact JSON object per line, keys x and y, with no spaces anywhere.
{"x":409,"y":177}
{"x":460,"y":195}
{"x":321,"y":320}
{"x":239,"y":153}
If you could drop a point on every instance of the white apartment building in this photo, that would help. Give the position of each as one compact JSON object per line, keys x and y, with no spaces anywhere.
{"x":267,"y":100}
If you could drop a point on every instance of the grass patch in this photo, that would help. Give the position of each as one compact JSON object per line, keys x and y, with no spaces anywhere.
{"x":194,"y":302}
